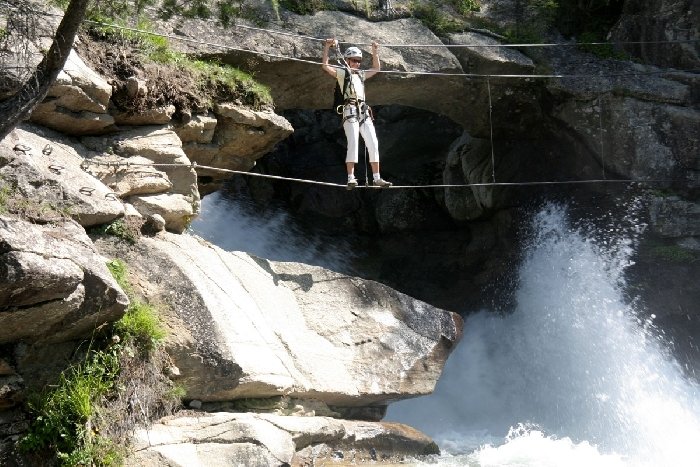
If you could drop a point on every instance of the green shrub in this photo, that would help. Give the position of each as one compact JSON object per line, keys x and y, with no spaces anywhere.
{"x":5,"y":192}
{"x":61,"y":415}
{"x":465,"y":7}
{"x":142,"y":324}
{"x":118,"y":269}
{"x":84,"y":419}
{"x":118,"y":228}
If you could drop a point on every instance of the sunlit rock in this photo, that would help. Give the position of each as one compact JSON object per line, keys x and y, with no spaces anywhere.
{"x":46,"y":170}
{"x":54,"y":286}
{"x":246,"y":327}
{"x":77,"y":101}
{"x":227,"y":438}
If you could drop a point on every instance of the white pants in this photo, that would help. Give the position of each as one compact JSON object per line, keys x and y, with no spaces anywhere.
{"x":353,"y":129}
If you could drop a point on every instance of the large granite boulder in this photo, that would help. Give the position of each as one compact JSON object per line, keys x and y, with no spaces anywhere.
{"x":54,"y":286}
{"x":169,"y":189}
{"x":247,"y":327}
{"x":45,"y":170}
{"x":300,"y":85}
{"x":219,"y":439}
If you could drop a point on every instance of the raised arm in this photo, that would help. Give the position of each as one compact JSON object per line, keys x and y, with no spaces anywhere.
{"x":376,"y":66}
{"x":324,"y":61}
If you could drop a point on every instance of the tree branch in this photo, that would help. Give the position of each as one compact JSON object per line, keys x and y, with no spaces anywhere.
{"x":18,"y":107}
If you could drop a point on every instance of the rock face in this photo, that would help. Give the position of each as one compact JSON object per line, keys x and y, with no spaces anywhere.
{"x":77,"y":101}
{"x":298,"y":85}
{"x":233,"y":138}
{"x":255,"y":328}
{"x":659,"y":21}
{"x":46,"y":170}
{"x":54,"y":286}
{"x":227,"y":438}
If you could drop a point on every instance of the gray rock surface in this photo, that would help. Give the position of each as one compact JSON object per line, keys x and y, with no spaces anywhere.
{"x":660,"y":20}
{"x":674,"y":217}
{"x":247,"y":327}
{"x":218,"y":439}
{"x":300,"y":85}
{"x":54,"y":286}
{"x":44,"y":170}
{"x":76,"y":102}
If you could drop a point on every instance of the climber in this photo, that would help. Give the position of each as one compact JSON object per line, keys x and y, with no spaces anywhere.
{"x":357,"y":116}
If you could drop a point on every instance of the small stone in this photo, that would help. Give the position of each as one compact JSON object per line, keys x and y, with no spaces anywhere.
{"x":154,"y":224}
{"x":136,"y":87}
{"x":195,"y":404}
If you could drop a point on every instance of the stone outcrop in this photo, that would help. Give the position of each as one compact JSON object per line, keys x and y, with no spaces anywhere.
{"x":255,"y":328}
{"x":169,"y":189}
{"x":54,"y":286}
{"x":264,"y":439}
{"x":673,"y":217}
{"x":299,"y":85}
{"x":76,"y":102}
{"x":658,"y":21}
{"x":233,"y":138}
{"x":46,"y":170}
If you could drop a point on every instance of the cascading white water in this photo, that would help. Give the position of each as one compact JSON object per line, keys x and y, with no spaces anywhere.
{"x":272,"y":235}
{"x":573,"y":377}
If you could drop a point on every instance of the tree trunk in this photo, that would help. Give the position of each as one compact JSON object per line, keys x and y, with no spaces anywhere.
{"x":17,"y":107}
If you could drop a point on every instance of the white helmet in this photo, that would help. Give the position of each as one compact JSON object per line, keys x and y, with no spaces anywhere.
{"x":353,"y":52}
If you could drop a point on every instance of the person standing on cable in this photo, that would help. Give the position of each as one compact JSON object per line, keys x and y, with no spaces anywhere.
{"x":357,"y":116}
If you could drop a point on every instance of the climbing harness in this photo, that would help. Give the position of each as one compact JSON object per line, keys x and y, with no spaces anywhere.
{"x":353,"y":109}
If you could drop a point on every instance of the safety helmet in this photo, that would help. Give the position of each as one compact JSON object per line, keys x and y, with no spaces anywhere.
{"x":353,"y":52}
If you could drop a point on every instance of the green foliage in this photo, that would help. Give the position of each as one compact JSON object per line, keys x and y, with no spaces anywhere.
{"x":227,"y":81}
{"x":118,"y":228}
{"x":674,"y":253}
{"x":140,"y":322}
{"x":5,"y":193}
{"x":304,"y":7}
{"x":433,"y":18}
{"x":276,"y":8}
{"x":465,"y":7}
{"x":226,"y":11}
{"x":75,"y":418}
{"x":118,"y":269}
{"x":220,"y":76}
{"x":62,"y":414}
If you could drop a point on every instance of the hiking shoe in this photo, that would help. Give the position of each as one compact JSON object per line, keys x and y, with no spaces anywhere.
{"x":381,"y":183}
{"x":352,"y":183}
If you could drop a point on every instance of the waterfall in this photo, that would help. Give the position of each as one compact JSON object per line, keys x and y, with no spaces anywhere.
{"x":236,"y":224}
{"x":573,"y":376}
{"x":576,"y":375}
